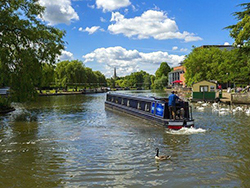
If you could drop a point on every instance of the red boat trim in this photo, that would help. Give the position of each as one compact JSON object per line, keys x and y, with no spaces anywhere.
{"x":175,"y":127}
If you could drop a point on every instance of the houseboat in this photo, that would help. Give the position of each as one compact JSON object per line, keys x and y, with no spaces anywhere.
{"x":151,"y":108}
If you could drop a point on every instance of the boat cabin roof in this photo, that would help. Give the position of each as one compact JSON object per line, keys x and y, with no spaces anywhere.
{"x":141,"y":98}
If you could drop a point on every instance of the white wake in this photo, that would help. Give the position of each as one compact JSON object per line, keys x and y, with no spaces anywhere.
{"x":186,"y":131}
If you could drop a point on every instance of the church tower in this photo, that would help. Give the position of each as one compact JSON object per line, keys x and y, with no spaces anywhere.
{"x":114,"y":73}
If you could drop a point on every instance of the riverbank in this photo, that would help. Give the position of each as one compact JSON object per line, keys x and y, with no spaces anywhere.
{"x":85,"y":91}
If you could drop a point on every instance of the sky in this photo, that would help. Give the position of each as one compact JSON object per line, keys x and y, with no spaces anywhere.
{"x":135,"y":35}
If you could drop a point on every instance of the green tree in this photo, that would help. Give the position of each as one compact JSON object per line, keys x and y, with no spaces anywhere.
{"x":137,"y":78}
{"x":241,"y":34}
{"x":72,"y":73}
{"x":4,"y":75}
{"x":91,"y":77}
{"x":26,"y":42}
{"x":61,"y":73}
{"x":160,"y":83}
{"x":111,"y":82}
{"x":202,"y":64}
{"x":164,"y":69}
{"x":101,"y":80}
{"x":241,"y":31}
{"x":48,"y":75}
{"x":147,"y":81}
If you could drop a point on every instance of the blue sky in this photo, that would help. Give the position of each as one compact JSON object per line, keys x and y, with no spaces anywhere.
{"x":134,"y":35}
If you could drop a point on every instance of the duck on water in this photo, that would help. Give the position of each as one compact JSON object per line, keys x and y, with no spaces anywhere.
{"x":161,"y":157}
{"x":151,"y":108}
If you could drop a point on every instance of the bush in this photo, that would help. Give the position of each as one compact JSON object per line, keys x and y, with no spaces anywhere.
{"x":5,"y":102}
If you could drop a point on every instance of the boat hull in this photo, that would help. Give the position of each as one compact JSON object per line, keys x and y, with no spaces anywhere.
{"x":170,"y":124}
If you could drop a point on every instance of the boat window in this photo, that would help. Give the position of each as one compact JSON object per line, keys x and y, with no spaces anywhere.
{"x":128,"y":103}
{"x":122,"y":101}
{"x":146,"y":107}
{"x":139,"y":105}
{"x":112,"y":100}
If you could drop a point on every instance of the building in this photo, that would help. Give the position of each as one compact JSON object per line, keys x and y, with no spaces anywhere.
{"x":221,"y":47}
{"x":115,"y":73}
{"x":177,"y":76}
{"x":204,"y":90}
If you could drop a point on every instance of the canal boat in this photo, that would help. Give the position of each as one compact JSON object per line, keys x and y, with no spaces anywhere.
{"x":151,"y":108}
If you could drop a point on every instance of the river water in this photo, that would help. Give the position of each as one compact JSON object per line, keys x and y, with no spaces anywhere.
{"x":72,"y":141}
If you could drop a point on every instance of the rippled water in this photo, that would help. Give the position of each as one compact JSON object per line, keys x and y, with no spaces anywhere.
{"x":72,"y":141}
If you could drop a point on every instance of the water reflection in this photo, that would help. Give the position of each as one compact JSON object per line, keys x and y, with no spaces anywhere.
{"x":26,"y":161}
{"x":73,"y":141}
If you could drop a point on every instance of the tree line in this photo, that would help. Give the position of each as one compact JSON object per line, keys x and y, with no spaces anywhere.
{"x":71,"y":73}
{"x":142,"y":79}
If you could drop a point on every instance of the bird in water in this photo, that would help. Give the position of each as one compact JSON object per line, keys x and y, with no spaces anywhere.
{"x":161,"y":157}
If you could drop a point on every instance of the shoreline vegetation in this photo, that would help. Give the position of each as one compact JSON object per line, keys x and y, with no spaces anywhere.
{"x":236,"y":98}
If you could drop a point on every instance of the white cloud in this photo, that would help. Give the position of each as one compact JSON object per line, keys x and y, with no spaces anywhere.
{"x":91,"y":6}
{"x":90,"y":30}
{"x":183,"y":49}
{"x":175,"y":48}
{"x":151,"y":23}
{"x":110,"y":5}
{"x":134,"y":8}
{"x":102,"y":19}
{"x":226,"y":43}
{"x":58,"y":11}
{"x":66,"y":56}
{"x":128,"y":61}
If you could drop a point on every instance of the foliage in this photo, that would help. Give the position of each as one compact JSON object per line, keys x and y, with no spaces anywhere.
{"x":160,"y":83}
{"x":4,"y":75}
{"x":241,"y":31}
{"x":101,"y":79}
{"x":25,"y":43}
{"x":164,"y":69}
{"x":48,"y":75}
{"x":161,"y":76}
{"x":215,"y":64}
{"x":5,"y":103}
{"x":70,"y":73}
{"x":135,"y":80}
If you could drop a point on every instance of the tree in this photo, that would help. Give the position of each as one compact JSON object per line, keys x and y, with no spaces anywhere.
{"x":4,"y":75}
{"x":202,"y":64}
{"x":160,"y":83}
{"x":25,"y":43}
{"x":147,"y":81}
{"x":137,"y":78}
{"x":215,"y":64}
{"x":241,"y":34}
{"x":61,"y":73}
{"x":48,"y":75}
{"x":241,"y":31}
{"x":164,"y":69}
{"x":101,"y":80}
{"x":91,"y":77}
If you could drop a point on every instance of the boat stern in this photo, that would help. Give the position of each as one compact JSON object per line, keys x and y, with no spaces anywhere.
{"x":178,"y":124}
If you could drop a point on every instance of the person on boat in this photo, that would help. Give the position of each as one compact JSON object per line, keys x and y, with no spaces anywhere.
{"x":180,"y":112}
{"x":172,"y":105}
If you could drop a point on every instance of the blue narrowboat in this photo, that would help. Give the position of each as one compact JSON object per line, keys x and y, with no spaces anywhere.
{"x":151,"y":108}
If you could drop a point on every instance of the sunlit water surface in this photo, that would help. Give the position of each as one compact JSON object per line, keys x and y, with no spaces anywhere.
{"x":72,"y":141}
